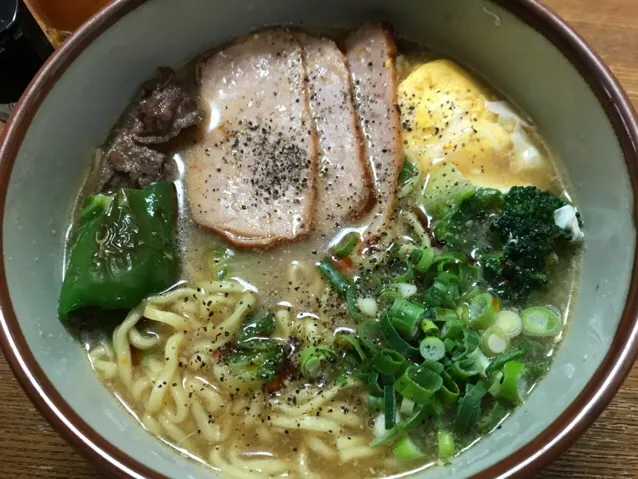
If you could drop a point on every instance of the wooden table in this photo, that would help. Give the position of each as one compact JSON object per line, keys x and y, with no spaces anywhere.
{"x":29,"y":448}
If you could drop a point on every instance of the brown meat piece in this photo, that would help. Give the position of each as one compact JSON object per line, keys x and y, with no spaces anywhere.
{"x":166,"y":110}
{"x":371,"y":54}
{"x":159,"y":113}
{"x":131,"y":165}
{"x":252,"y":177}
{"x":344,"y":186}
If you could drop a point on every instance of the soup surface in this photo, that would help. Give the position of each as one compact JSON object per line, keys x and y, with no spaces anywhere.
{"x":369,"y":267}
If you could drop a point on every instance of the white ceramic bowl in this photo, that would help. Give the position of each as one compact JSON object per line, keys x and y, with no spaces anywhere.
{"x":519,"y":47}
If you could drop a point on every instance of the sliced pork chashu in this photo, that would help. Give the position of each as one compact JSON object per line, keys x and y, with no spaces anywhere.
{"x":371,"y":55}
{"x":252,"y":176}
{"x":344,"y":188}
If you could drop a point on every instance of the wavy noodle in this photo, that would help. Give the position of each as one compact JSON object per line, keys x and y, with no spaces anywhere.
{"x":305,"y":276}
{"x":167,"y":373}
{"x":319,"y":447}
{"x":263,"y":466}
{"x":140,"y":387}
{"x":178,"y":402}
{"x":221,"y":287}
{"x":142,"y":342}
{"x":102,"y":359}
{"x":304,"y":469}
{"x":174,"y":320}
{"x":283,"y":321}
{"x":215,"y":458}
{"x":123,"y":349}
{"x":226,"y":329}
{"x":213,"y":401}
{"x":357,"y":452}
{"x":306,"y":423}
{"x":321,"y":398}
{"x":205,"y":425}
{"x":174,"y":432}
{"x":182,"y":404}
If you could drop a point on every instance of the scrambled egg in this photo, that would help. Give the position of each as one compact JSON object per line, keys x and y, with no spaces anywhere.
{"x":446,"y":115}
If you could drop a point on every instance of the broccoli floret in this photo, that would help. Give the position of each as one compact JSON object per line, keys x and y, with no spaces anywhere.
{"x":259,"y":325}
{"x":513,"y":236}
{"x":261,"y":363}
{"x":528,"y":238}
{"x":466,"y":227}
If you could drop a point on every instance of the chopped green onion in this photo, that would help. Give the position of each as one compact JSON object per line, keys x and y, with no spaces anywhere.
{"x":446,"y":444}
{"x":406,"y":276}
{"x":407,"y":407}
{"x":482,"y":311}
{"x":510,"y":322}
{"x":500,"y":361}
{"x":513,"y":387}
{"x":349,"y":342}
{"x":443,"y":260}
{"x":346,"y":245}
{"x":402,"y":427}
{"x":429,"y":328}
{"x":471,"y":341}
{"x":432,"y":348}
{"x":452,"y":329}
{"x":422,"y":259}
{"x":368,"y":306}
{"x":388,"y":362}
{"x":312,"y":359}
{"x":370,"y":335}
{"x":495,"y":385}
{"x":481,"y":362}
{"x":469,"y":408}
{"x":389,"y":406}
{"x":406,"y":290}
{"x":221,"y":275}
{"x":418,"y":384}
{"x":541,"y":321}
{"x":408,"y":171}
{"x":336,"y":278}
{"x":435,"y":366}
{"x":463,"y":370}
{"x":493,"y":418}
{"x":494,"y":341}
{"x":445,"y":290}
{"x":373,"y":383}
{"x":375,"y":403}
{"x":394,"y":339}
{"x":445,"y":315}
{"x":449,"y":344}
{"x":449,"y":392}
{"x":351,"y":304}
{"x":405,"y":450}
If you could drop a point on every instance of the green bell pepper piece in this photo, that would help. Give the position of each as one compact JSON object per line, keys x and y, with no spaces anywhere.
{"x":122,"y":250}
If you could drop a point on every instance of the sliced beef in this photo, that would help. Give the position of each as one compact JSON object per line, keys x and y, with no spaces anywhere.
{"x":132,"y":165}
{"x":371,"y":55}
{"x":167,"y":108}
{"x":163,"y":108}
{"x":344,"y":187}
{"x":252,"y":177}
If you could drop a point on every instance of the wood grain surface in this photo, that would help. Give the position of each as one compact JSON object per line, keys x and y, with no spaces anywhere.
{"x":29,"y":448}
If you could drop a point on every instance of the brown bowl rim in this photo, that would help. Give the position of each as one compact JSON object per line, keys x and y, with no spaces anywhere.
{"x":536,"y":454}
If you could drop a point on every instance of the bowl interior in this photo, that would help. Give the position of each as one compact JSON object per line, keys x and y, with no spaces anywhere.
{"x":516,"y":59}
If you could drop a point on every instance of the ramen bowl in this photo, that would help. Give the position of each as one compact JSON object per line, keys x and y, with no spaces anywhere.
{"x":520,"y":48}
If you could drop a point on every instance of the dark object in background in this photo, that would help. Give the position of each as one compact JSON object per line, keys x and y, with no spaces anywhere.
{"x":23,"y":50}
